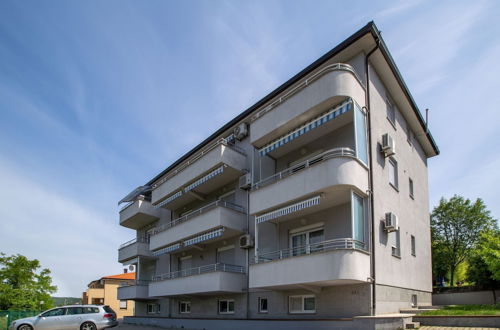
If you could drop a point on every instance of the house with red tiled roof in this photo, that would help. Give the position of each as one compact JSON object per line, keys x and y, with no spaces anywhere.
{"x":104,"y":292}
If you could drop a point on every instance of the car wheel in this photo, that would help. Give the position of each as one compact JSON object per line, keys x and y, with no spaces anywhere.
{"x":25,"y":327}
{"x":88,"y":326}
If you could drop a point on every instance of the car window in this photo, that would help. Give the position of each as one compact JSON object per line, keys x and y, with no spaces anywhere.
{"x":90,"y":310}
{"x":75,"y":310}
{"x":54,"y":312}
{"x":108,"y":309}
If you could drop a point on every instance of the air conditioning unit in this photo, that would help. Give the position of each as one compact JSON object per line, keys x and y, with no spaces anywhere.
{"x":241,"y":131}
{"x":391,"y":222}
{"x":246,"y":241}
{"x":245,"y":181}
{"x":388,"y":145}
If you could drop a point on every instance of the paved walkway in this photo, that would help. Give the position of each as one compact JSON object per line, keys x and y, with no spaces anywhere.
{"x":454,"y":328}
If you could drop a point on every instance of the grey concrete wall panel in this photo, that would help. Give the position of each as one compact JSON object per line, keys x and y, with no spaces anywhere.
{"x":215,"y":282}
{"x":323,"y":177}
{"x":138,"y":214}
{"x":323,"y":93}
{"x":134,"y":250}
{"x":132,"y":292}
{"x":221,"y":154}
{"x":234,"y":221}
{"x":392,"y":299}
{"x":465,"y":298}
{"x":459,"y":321}
{"x":321,"y":269}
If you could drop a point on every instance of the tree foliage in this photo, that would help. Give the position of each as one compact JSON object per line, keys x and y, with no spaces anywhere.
{"x":456,"y":225}
{"x":22,"y":285}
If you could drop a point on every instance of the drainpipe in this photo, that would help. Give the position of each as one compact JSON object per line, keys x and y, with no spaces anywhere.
{"x":370,"y":174}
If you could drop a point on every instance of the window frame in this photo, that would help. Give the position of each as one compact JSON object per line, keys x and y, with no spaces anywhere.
{"x":303,"y":310}
{"x":307,"y":230}
{"x":187,"y":307}
{"x":228,"y":302}
{"x":396,"y":249}
{"x":413,"y":245}
{"x":393,"y":164}
{"x":409,"y":134}
{"x":390,"y":104}
{"x":153,"y":308}
{"x":126,"y":304}
{"x":261,"y":310}
{"x":411,"y":188}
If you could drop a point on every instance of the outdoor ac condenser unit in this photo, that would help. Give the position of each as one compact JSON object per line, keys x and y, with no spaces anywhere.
{"x":388,"y":145}
{"x":391,"y":222}
{"x":246,"y":241}
{"x":245,"y":181}
{"x":241,"y":131}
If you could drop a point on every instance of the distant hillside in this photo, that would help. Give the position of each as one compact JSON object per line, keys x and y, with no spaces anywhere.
{"x":61,"y":301}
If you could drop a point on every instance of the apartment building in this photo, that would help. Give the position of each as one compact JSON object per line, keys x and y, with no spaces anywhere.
{"x":311,"y":204}
{"x":104,"y":292}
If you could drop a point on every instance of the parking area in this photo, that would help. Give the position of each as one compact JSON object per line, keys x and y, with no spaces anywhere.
{"x":135,"y":327}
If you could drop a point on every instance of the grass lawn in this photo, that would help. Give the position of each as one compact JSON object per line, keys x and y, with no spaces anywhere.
{"x":466,"y":310}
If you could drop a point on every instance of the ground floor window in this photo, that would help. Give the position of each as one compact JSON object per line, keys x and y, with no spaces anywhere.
{"x":123,"y":304}
{"x":153,"y":308}
{"x":302,"y":304}
{"x":226,"y":306}
{"x":185,"y":307}
{"x":262,"y":305}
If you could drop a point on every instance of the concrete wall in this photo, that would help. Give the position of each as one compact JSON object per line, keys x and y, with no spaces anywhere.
{"x":392,"y":299}
{"x":111,"y":299}
{"x":465,"y":298}
{"x":411,"y":272}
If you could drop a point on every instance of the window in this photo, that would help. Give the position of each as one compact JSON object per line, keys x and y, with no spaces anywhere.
{"x":302,"y":304}
{"x":409,"y":134}
{"x":413,"y":253}
{"x":414,"y":301}
{"x":391,"y":112}
{"x":262,"y":305}
{"x":90,"y":310}
{"x":184,"y":307}
{"x":303,"y":241}
{"x":226,"y":306}
{"x":55,"y":312}
{"x":75,"y":311}
{"x":396,"y":247}
{"x":358,"y":218}
{"x":410,"y":185}
{"x":154,"y":308}
{"x":123,"y":304}
{"x":360,"y":136}
{"x":393,"y":173}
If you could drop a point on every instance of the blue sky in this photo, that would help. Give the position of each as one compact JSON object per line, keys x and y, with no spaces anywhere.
{"x":97,"y":97}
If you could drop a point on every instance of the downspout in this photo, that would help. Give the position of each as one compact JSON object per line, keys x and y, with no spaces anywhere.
{"x":370,"y":175}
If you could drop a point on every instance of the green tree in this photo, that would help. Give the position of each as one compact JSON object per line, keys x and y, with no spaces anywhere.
{"x":456,"y":225}
{"x":22,"y":286}
{"x":489,"y":251}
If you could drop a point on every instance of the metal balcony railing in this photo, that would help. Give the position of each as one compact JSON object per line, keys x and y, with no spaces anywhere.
{"x":334,"y":244}
{"x":133,"y":241}
{"x":332,"y":153}
{"x":219,"y":267}
{"x":197,"y":212}
{"x":135,"y":283}
{"x":196,"y":157}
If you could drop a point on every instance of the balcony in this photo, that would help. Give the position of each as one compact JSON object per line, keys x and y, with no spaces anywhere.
{"x":210,"y":169}
{"x":332,"y":262}
{"x":209,"y":279}
{"x":319,"y":91}
{"x":138,"y":214}
{"x":134,"y":248}
{"x":137,"y":291}
{"x":330,"y":174}
{"x":219,"y":214}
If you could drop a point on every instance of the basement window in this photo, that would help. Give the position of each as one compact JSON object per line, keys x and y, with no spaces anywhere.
{"x":303,"y":304}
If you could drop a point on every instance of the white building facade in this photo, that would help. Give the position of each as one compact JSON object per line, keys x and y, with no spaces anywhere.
{"x":311,"y":204}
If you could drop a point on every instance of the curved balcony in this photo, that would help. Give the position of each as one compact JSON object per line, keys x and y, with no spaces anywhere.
{"x":338,"y":261}
{"x":331,"y":174}
{"x":136,"y":291}
{"x":212,"y":168}
{"x":138,"y":214}
{"x":219,"y":214}
{"x":207,"y":279}
{"x":134,"y":248}
{"x":324,"y":89}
